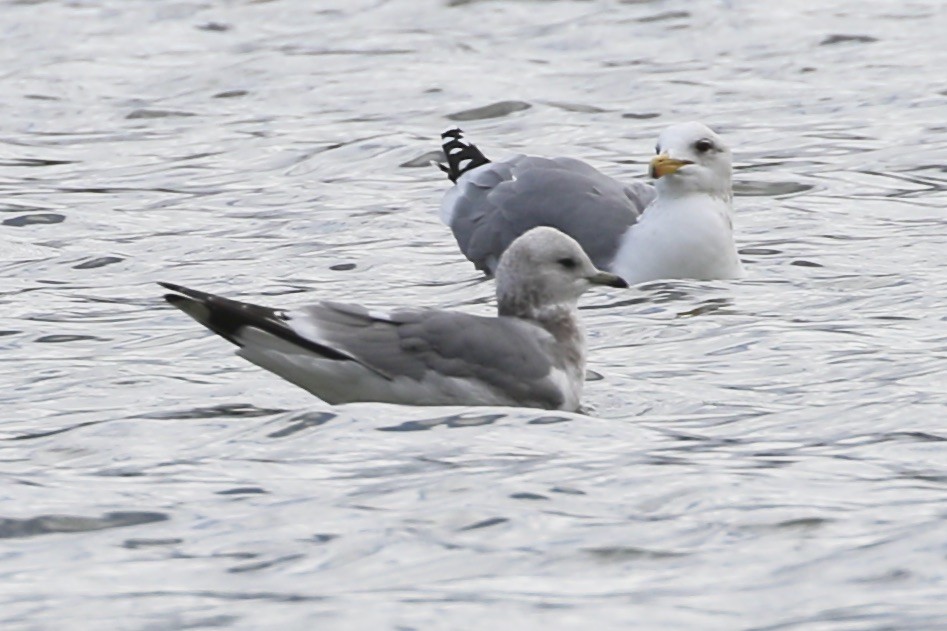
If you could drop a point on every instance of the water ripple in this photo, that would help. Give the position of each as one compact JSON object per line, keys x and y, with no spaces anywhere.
{"x":773,"y":440}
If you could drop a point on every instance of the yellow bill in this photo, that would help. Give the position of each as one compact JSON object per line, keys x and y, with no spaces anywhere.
{"x":665,"y":165}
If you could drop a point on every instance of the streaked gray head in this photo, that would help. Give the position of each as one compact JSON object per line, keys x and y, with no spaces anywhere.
{"x":545,"y":267}
{"x":691,"y":158}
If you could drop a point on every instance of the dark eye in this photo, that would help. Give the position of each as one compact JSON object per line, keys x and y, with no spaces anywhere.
{"x":568,"y":263}
{"x":657,"y":148}
{"x":704,"y":145}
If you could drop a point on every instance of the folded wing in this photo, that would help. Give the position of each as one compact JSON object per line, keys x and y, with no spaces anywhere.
{"x":344,"y":353}
{"x":495,"y":203}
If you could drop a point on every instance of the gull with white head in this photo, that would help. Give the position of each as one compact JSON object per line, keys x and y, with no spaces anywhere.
{"x":531,"y":355}
{"x":682,"y":227}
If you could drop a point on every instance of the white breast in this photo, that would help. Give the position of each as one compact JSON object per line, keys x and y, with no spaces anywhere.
{"x":684,"y":238}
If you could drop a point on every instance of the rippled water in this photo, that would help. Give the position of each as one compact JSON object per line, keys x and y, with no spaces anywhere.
{"x":763,"y":454}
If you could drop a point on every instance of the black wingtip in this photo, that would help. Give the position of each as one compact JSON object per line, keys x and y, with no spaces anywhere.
{"x":221,"y":315}
{"x":461,"y":156}
{"x":227,"y":318}
{"x":176,"y":299}
{"x":184,"y":291}
{"x":192,"y":294}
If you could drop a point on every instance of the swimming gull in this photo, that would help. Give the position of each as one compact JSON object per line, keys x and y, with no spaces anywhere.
{"x":532,"y":354}
{"x":679,"y":228}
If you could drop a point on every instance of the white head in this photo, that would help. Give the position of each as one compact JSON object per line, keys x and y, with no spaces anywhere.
{"x":692,"y":159}
{"x":542,"y":268}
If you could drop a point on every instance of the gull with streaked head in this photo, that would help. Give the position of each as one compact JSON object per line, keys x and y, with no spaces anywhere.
{"x":531,"y":355}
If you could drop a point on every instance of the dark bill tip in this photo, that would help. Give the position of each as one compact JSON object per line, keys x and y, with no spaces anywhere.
{"x":609,"y":280}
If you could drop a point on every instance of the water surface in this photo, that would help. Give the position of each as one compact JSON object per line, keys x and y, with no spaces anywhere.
{"x":761,"y":454}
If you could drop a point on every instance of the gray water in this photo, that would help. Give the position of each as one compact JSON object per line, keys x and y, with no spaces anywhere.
{"x":761,"y":454}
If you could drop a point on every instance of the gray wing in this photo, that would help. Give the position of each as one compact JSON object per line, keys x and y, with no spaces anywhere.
{"x":493,"y":204}
{"x":508,"y":355}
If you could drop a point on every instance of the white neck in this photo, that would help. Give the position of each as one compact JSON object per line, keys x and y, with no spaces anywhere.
{"x":668,"y":190}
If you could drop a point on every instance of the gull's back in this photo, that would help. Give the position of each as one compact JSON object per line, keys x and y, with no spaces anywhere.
{"x":491,"y":205}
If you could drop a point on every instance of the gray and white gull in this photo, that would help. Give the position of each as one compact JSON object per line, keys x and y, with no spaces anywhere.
{"x":681,"y":227}
{"x":531,"y":355}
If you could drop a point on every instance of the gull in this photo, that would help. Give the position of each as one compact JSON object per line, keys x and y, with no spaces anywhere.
{"x":681,"y":227}
{"x":532,"y":354}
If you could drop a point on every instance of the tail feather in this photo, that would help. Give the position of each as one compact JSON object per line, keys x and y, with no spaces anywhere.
{"x":461,"y":156}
